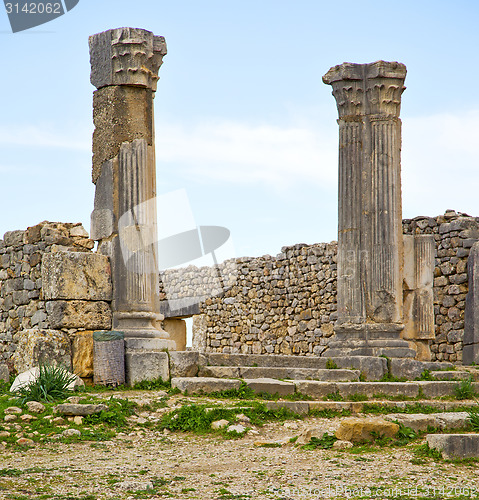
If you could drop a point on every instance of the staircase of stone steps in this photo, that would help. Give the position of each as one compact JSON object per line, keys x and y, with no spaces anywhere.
{"x":349,"y":378}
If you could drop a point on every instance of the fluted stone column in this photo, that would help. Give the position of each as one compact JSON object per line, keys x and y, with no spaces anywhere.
{"x":124,"y":69}
{"x":370,"y":247}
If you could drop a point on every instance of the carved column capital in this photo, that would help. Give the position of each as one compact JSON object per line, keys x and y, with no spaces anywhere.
{"x":126,"y":56}
{"x":367,"y":89}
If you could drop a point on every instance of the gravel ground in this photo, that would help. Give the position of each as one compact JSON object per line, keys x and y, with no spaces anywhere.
{"x":146,"y":464}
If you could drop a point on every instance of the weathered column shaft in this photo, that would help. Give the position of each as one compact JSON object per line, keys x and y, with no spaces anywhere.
{"x":350,"y":292}
{"x":370,"y":225}
{"x":125,"y":64}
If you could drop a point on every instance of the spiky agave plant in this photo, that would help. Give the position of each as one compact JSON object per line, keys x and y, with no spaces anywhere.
{"x":50,"y":385}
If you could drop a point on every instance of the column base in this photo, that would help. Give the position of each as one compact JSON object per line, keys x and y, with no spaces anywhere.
{"x":364,"y":339}
{"x":147,"y":359}
{"x":139,"y":324}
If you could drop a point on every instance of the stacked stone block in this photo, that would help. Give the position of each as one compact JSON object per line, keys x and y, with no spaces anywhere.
{"x":31,"y":312}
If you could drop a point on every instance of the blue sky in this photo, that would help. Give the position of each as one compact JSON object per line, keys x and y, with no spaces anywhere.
{"x":244,"y":123}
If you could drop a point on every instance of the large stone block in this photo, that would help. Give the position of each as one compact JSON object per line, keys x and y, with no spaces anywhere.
{"x":359,"y":430}
{"x":176,"y":328}
{"x":76,"y":276}
{"x":82,"y":358}
{"x":143,"y":365}
{"x":79,"y":314}
{"x":36,"y":347}
{"x":454,"y":446}
{"x":184,"y":363}
{"x":197,"y":385}
{"x":270,"y":386}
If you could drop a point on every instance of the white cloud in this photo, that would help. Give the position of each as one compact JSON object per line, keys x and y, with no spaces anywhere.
{"x":439,"y":159}
{"x":243,"y":154}
{"x":46,"y":136}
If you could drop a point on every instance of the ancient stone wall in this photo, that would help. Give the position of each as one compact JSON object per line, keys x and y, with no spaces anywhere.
{"x":283,"y":305}
{"x":40,"y":298}
{"x":287,"y":304}
{"x":454,"y":233}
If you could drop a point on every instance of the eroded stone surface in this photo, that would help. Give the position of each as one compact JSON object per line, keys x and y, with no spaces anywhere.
{"x":76,"y":276}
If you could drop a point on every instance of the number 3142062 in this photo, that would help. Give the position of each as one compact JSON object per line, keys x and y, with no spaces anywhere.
{"x":34,"y":8}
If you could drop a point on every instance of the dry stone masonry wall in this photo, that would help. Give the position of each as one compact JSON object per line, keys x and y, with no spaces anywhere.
{"x":287,"y":304}
{"x":454,"y":233}
{"x":45,"y":304}
{"x":282,"y":305}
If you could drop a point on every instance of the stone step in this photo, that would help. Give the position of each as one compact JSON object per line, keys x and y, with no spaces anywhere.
{"x":206,"y":385}
{"x":455,"y":375}
{"x":373,"y":368}
{"x":251,"y":372}
{"x":422,"y":421}
{"x":319,"y":390}
{"x":454,"y":446}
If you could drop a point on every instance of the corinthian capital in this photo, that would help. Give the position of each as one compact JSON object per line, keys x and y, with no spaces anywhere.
{"x":126,"y":56}
{"x":367,"y":89}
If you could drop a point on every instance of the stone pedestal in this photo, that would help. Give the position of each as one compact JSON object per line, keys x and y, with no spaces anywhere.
{"x":370,"y":246}
{"x":418,"y":293}
{"x":125,"y":64}
{"x":471,"y":317}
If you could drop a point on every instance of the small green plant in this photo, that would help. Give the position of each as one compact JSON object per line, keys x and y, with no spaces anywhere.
{"x":152,"y":385}
{"x":358,"y":397}
{"x":464,"y":389}
{"x":423,"y":451}
{"x":325,"y":442}
{"x":244,"y":392}
{"x":426,"y":375}
{"x":334,"y":396}
{"x":405,"y":435}
{"x":114,"y":416}
{"x":50,"y":385}
{"x":331,"y":365}
{"x":474,"y":419}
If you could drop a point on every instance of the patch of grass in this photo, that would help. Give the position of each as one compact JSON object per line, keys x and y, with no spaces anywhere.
{"x":152,"y":385}
{"x":326,"y":442}
{"x":114,"y":416}
{"x":387,"y":377}
{"x":198,"y":418}
{"x":426,"y":375}
{"x":50,"y":385}
{"x":357,"y":397}
{"x":331,"y":365}
{"x":423,"y":451}
{"x":244,"y":392}
{"x":334,"y":396}
{"x":474,"y":419}
{"x":464,"y":389}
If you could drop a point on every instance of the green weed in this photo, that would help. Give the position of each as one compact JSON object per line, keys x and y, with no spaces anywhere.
{"x":331,"y":365}
{"x":325,"y":442}
{"x":464,"y":389}
{"x":51,"y":385}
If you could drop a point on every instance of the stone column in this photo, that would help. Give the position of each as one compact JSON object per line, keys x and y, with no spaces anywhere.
{"x":124,"y":69}
{"x":370,"y":248}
